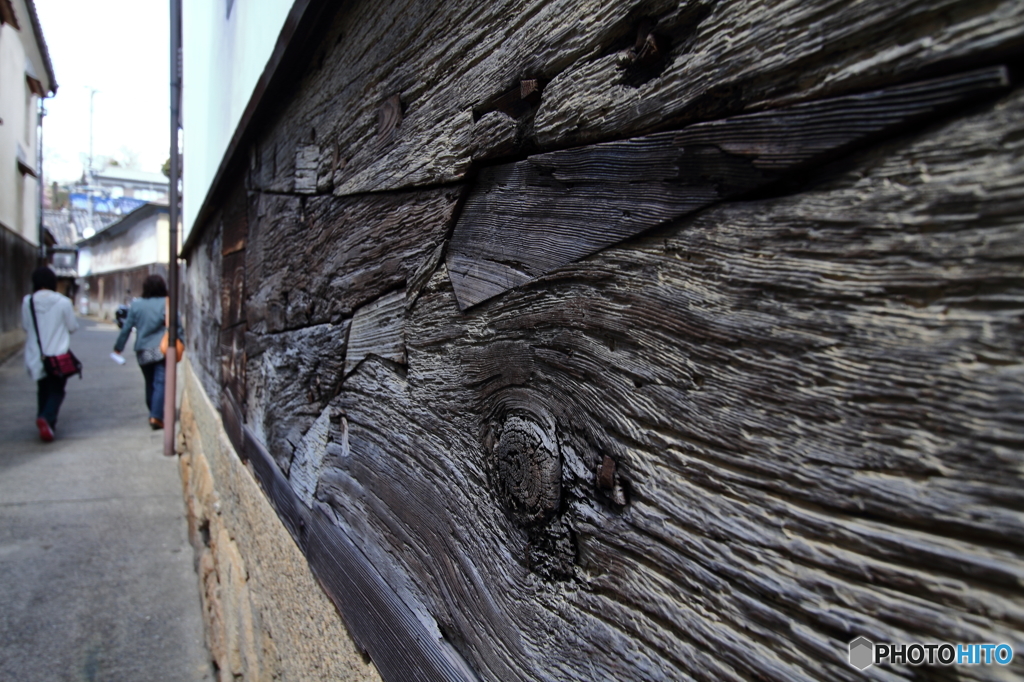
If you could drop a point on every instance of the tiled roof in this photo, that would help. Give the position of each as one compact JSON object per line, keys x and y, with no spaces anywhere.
{"x":68,"y":226}
{"x":59,"y":224}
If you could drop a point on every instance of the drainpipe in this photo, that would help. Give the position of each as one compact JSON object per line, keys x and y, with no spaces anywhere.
{"x":42,"y":185}
{"x":170,"y":387}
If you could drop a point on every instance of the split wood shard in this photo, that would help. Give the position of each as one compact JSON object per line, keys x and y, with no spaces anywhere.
{"x":525,"y":219}
{"x":377,"y":329}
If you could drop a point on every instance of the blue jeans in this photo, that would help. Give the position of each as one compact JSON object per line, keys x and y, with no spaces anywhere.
{"x":49,"y":396}
{"x":154,"y":373}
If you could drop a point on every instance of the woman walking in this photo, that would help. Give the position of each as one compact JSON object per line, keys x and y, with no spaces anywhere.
{"x":147,"y":316}
{"x":49,"y":320}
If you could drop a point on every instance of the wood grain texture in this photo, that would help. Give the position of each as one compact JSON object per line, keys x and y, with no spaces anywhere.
{"x":525,"y":219}
{"x":232,"y":289}
{"x":735,"y":56}
{"x":232,"y":363}
{"x":381,"y":622}
{"x":719,"y":450}
{"x":233,"y":323}
{"x":377,"y":328}
{"x":235,"y":221}
{"x":201,"y":309}
{"x":309,"y":459}
{"x":813,"y":404}
{"x":315,"y":260}
{"x":448,"y":63}
{"x":291,"y":376}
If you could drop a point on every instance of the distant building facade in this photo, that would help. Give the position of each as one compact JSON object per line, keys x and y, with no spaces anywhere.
{"x":61,"y":235}
{"x":113,"y":263}
{"x":118,"y":191}
{"x":26,"y":76}
{"x":128,"y":183}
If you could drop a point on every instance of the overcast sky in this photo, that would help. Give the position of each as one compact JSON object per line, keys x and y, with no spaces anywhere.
{"x":120,"y":48}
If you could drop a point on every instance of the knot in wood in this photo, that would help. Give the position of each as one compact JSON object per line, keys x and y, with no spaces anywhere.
{"x":528,"y":470}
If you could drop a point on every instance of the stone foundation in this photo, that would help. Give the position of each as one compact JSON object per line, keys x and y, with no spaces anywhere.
{"x":266,"y":617}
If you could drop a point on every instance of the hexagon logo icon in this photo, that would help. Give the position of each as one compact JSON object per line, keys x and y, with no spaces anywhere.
{"x":862,"y":653}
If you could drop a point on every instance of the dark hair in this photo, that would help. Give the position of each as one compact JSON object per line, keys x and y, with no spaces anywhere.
{"x":43,"y":278}
{"x":154,"y":287}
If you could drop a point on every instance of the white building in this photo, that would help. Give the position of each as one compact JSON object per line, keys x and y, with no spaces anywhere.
{"x":116,"y":182}
{"x":113,"y":263}
{"x":26,"y":75}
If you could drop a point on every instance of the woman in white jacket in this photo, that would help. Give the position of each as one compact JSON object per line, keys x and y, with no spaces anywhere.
{"x":56,"y":317}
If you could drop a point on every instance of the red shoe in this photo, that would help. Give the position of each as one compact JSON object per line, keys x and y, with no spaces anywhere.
{"x":45,"y":432}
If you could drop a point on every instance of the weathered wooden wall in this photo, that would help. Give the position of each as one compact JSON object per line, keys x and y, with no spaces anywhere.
{"x":17,"y":260}
{"x":719,"y":448}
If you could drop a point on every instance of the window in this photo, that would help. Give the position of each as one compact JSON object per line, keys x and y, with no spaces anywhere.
{"x":63,"y":259}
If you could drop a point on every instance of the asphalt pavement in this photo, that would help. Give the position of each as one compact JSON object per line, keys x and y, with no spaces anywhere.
{"x":96,"y":573}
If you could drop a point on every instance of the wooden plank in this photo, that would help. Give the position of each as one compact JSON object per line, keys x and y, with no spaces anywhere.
{"x":719,"y":450}
{"x":378,"y":329}
{"x":786,"y":54}
{"x":232,"y":290}
{"x":496,"y":134}
{"x":516,"y":102}
{"x":232,"y":363}
{"x":19,"y":259}
{"x":306,"y":158}
{"x":233,"y":419}
{"x":235,"y":221}
{"x":447,"y":61}
{"x":201,"y":310}
{"x":289,"y":509}
{"x":401,"y":648}
{"x":812,"y":404}
{"x":309,"y":458}
{"x":381,"y":623}
{"x":317,"y":260}
{"x":526,"y":219}
{"x":290,"y":377}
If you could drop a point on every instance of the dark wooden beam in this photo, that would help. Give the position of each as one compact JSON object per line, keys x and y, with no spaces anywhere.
{"x":379,"y":620}
{"x":525,"y":219}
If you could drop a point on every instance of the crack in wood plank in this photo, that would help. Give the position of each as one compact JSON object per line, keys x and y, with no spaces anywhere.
{"x":525,"y":219}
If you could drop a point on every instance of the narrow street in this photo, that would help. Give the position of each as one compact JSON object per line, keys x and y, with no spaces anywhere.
{"x":97,"y":577}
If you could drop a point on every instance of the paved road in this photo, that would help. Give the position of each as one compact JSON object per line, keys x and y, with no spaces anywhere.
{"x":96,"y":576}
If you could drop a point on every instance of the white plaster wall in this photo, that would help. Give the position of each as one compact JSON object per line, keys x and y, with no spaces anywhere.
{"x":140,"y":245}
{"x":19,"y":197}
{"x":224,"y":56}
{"x":84,"y":261}
{"x":13,"y":109}
{"x":163,"y":238}
{"x":29,"y":43}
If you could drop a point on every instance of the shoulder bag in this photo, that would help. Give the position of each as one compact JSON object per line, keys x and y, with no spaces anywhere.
{"x":63,"y":365}
{"x":179,"y":347}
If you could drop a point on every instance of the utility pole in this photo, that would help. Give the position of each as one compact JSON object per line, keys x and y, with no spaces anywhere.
{"x":92,"y":97}
{"x":170,"y":387}
{"x":42,"y":183}
{"x":88,"y":170}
